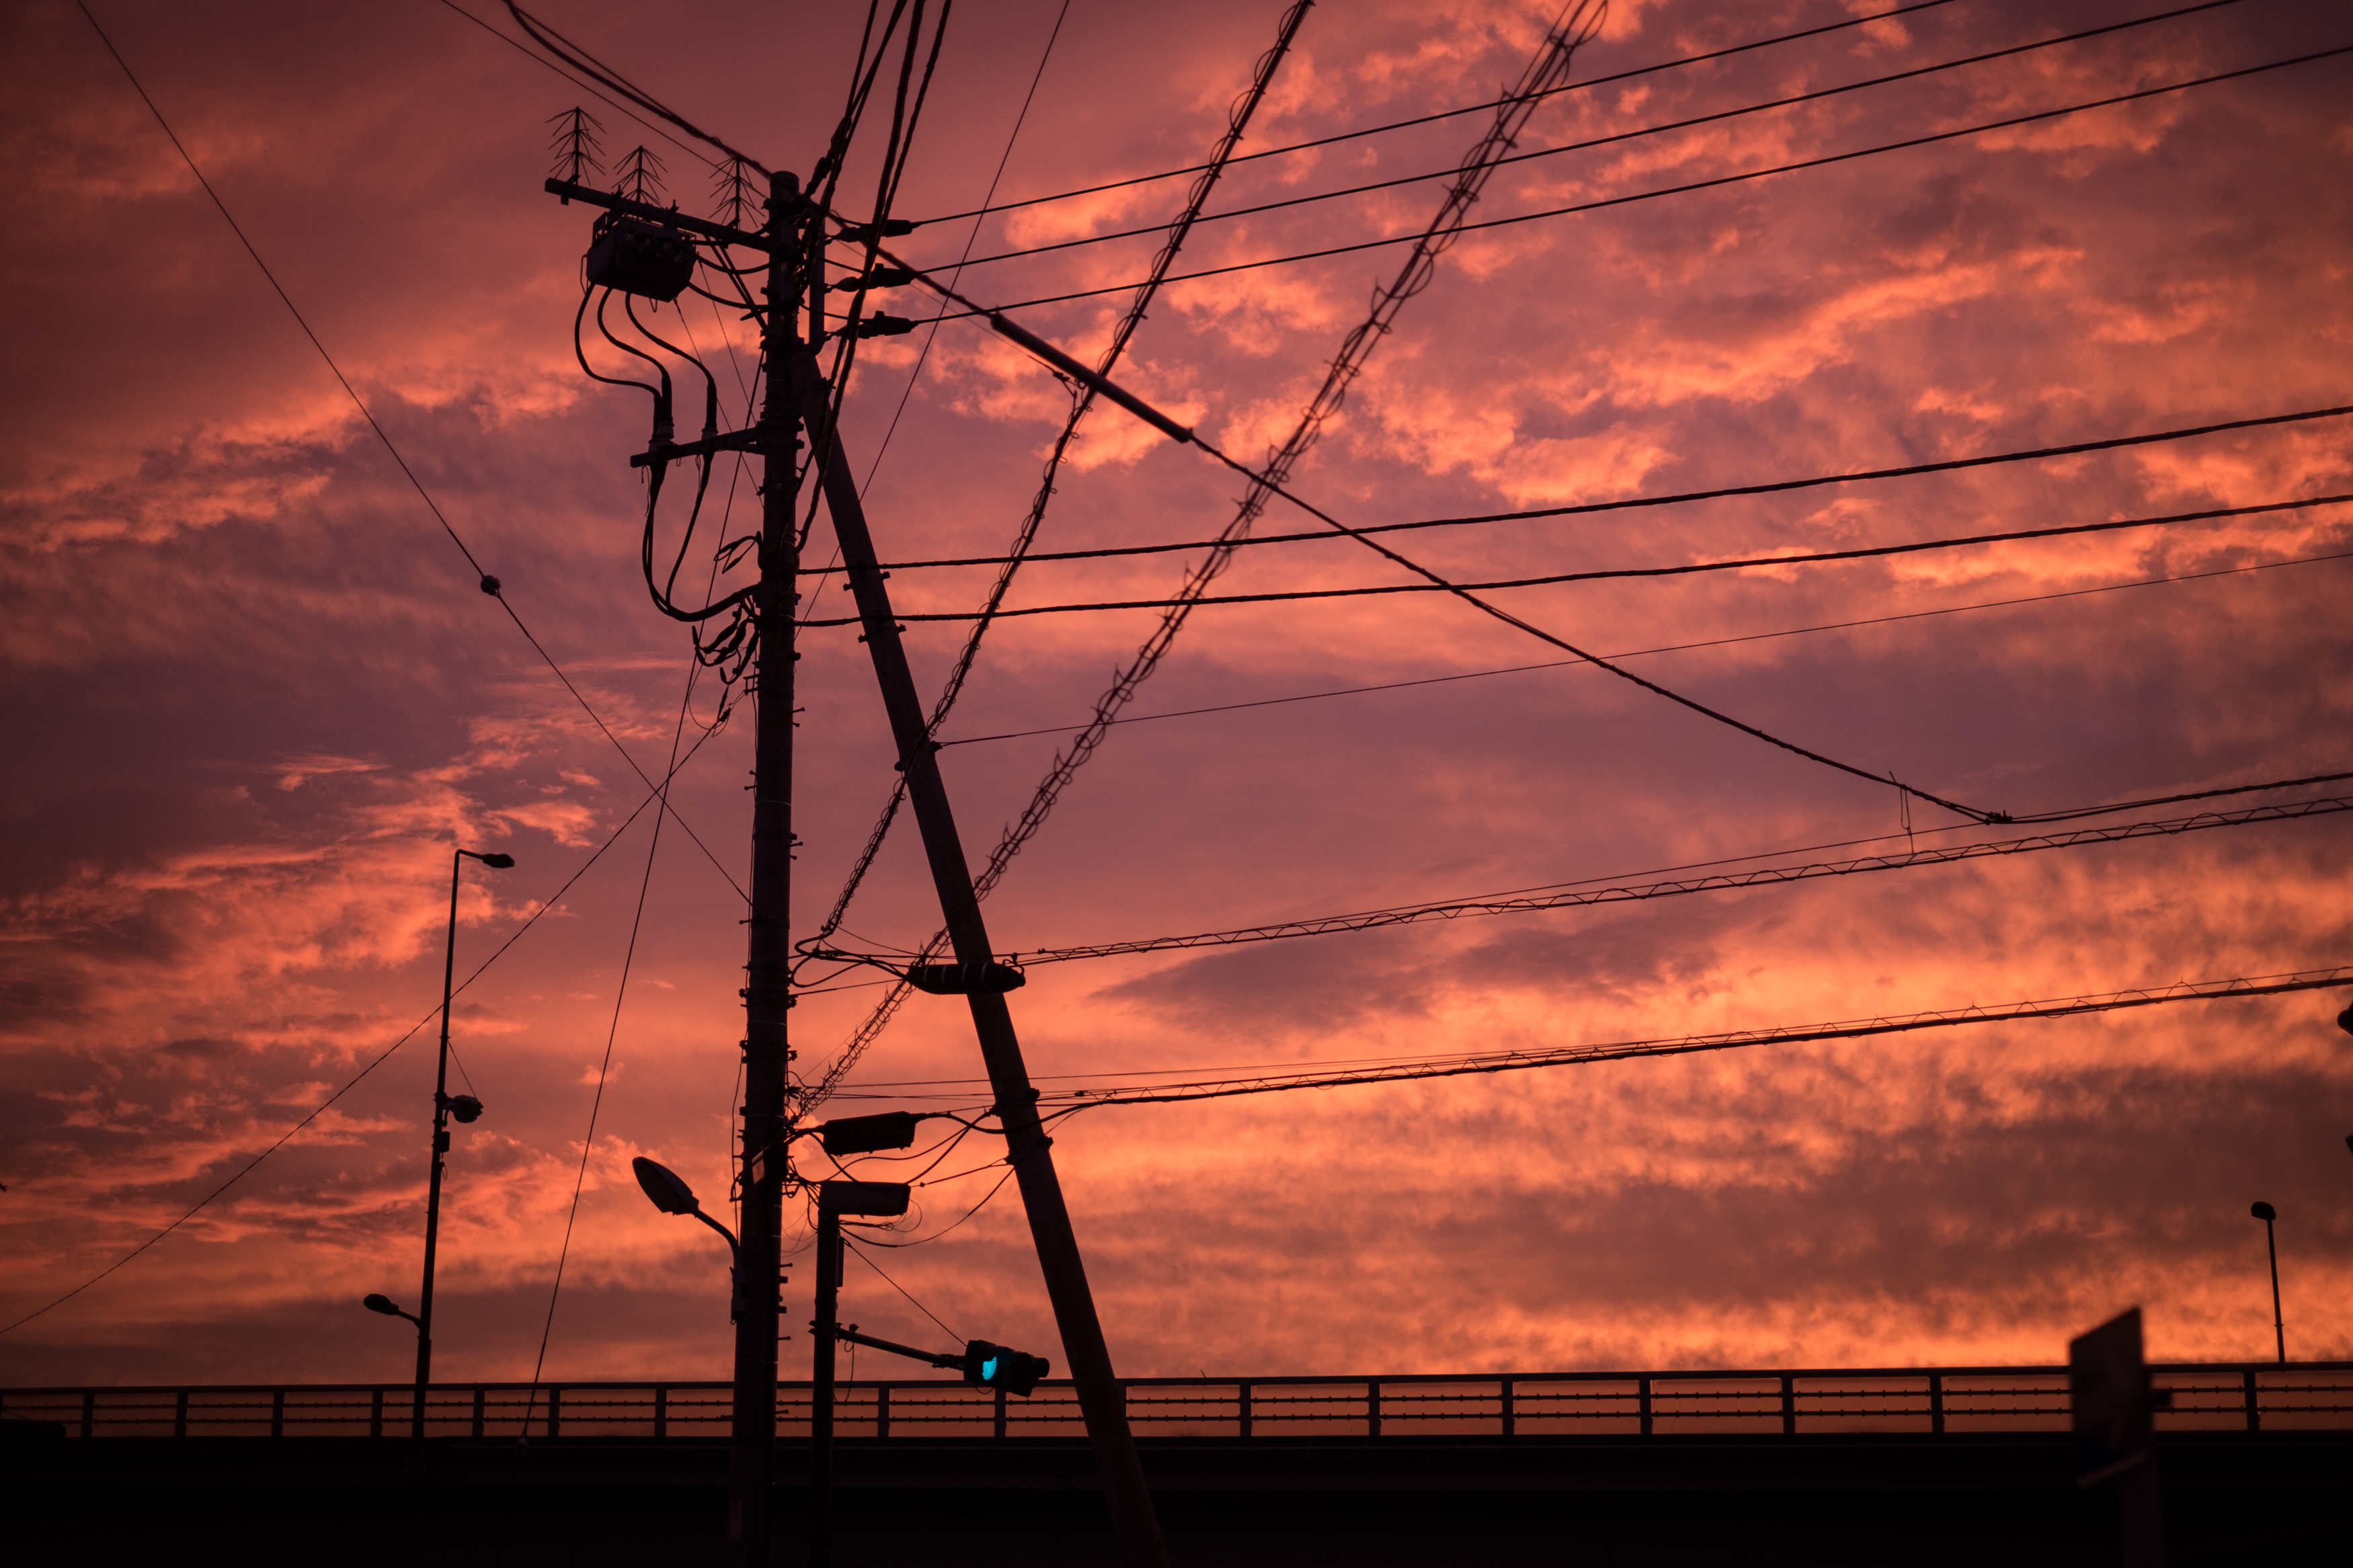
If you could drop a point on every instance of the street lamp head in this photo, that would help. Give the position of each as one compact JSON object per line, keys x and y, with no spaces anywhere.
{"x":2345,"y":1020}
{"x":464,"y":1108}
{"x":499,"y":862}
{"x":670,"y":1194}
{"x":2264,"y":1211}
{"x":383,"y":1304}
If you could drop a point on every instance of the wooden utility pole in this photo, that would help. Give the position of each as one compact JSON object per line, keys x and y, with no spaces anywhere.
{"x":751,"y":1480}
{"x":1029,"y":1149}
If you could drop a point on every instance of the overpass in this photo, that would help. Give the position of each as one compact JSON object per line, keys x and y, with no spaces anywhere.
{"x":1820,"y":1466}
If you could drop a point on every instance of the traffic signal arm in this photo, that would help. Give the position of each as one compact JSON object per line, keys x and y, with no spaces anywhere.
{"x":950,"y":1363}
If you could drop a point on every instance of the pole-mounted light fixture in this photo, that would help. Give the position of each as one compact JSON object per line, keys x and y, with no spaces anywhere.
{"x":2269,"y":1216}
{"x":464,"y":1108}
{"x":389,"y":1308}
{"x":668,"y":1192}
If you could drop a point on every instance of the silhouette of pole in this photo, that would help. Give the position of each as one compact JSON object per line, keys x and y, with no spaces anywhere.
{"x":751,"y":1477}
{"x":441,"y":1107}
{"x":2270,"y":1216}
{"x":1029,"y":1149}
{"x":829,"y":1308}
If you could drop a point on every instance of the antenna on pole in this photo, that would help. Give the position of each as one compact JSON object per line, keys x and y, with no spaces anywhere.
{"x":578,"y":151}
{"x":733,"y":189}
{"x":641,"y":178}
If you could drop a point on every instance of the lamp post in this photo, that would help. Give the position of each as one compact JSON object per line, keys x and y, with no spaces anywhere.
{"x":670,"y":1195}
{"x":2270,"y":1216}
{"x":390,"y":1309}
{"x":464,"y":1108}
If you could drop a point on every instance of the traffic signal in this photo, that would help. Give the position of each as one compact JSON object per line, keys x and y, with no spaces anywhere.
{"x":994,"y":1366}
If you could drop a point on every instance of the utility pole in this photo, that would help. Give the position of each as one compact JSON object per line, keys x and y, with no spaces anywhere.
{"x":650,"y":254}
{"x":1029,"y":1149}
{"x":796,"y":394}
{"x":829,"y":1308}
{"x":751,"y":1480}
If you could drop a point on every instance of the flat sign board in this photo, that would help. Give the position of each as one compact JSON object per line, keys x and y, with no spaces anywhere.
{"x":2107,"y":1384}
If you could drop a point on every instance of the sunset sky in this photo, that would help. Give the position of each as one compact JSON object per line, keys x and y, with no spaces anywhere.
{"x":257,"y":695}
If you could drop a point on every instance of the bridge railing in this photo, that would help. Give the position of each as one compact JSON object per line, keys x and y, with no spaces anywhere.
{"x":2251,"y":1396}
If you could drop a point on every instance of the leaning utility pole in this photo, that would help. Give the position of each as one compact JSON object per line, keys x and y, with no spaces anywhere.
{"x":647,"y":254}
{"x":1028,"y":1151}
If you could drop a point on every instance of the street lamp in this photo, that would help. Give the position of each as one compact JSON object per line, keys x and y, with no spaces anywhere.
{"x":670,"y":1195}
{"x":2270,"y":1216}
{"x":464,"y":1108}
{"x":389,"y":1308}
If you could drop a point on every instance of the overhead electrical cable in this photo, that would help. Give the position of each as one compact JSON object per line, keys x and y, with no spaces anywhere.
{"x":581,"y":60}
{"x":1348,"y":1072}
{"x":1510,"y":159}
{"x":1783,"y":853}
{"x":858,"y":1250}
{"x":1293,"y":595}
{"x":543,"y":907}
{"x":1852,"y":1029}
{"x":604,"y":1066}
{"x":585,"y":84}
{"x":1579,"y":897}
{"x":1716,"y":183}
{"x":1672,"y":648}
{"x":1675,"y":63}
{"x":897,"y":150}
{"x":490,"y":584}
{"x":931,"y":336}
{"x":1551,"y":65}
{"x":1582,"y":509}
{"x":1237,"y":120}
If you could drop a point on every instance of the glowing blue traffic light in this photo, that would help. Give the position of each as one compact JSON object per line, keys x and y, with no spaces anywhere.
{"x":995,"y":1366}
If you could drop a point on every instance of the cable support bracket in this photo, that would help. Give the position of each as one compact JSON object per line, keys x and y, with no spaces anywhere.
{"x":679,"y":451}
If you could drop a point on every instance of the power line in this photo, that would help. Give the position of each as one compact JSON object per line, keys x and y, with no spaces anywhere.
{"x":1268,"y":483}
{"x":1554,"y":579}
{"x":1496,"y":612}
{"x":882,"y":829}
{"x":1714,"y":184}
{"x":858,"y":1251}
{"x":490,"y":584}
{"x":1083,"y":400}
{"x":581,"y":60}
{"x":1582,"y":509}
{"x":1004,"y":158}
{"x":1238,"y":120}
{"x":587,"y":86}
{"x":1506,"y":160}
{"x":1674,"y":647}
{"x":1450,"y":113}
{"x":612,"y":1033}
{"x":2061,"y":815}
{"x":1581,"y":1056}
{"x":1579,"y":897}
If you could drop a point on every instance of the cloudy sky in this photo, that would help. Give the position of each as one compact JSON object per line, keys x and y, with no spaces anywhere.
{"x":258,"y":696}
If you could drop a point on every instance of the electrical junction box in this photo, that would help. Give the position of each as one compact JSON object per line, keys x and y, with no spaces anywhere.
{"x":640,"y":258}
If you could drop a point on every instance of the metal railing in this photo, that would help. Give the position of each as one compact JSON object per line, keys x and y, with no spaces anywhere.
{"x":2252,"y":1396}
